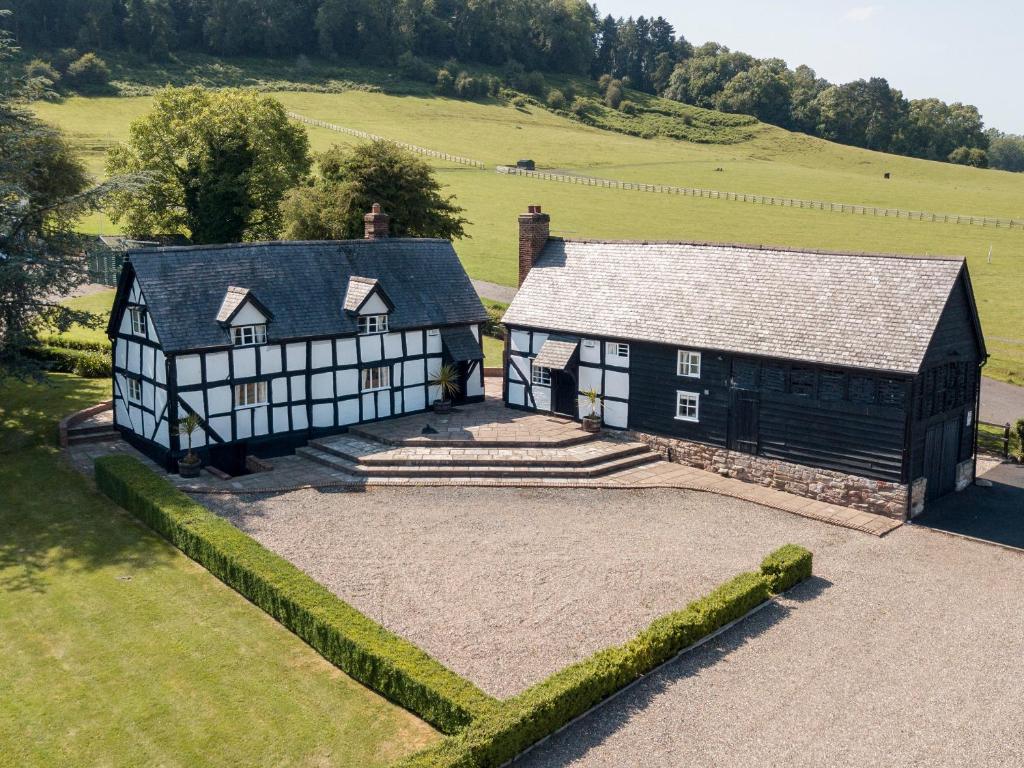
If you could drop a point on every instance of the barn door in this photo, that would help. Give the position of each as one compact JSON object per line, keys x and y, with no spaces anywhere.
{"x":743,"y":429}
{"x":941,"y":445}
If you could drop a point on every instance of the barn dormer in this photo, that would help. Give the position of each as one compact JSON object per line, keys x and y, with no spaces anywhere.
{"x":367,"y":301}
{"x":245,"y":317}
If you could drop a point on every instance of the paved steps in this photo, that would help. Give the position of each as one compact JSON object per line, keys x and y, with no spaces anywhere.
{"x":458,"y":438}
{"x":359,"y":457}
{"x":91,"y":433}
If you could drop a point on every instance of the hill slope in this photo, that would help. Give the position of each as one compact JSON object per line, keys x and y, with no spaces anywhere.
{"x":772,"y":162}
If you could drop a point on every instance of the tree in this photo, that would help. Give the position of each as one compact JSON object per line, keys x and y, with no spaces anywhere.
{"x":351,"y":180}
{"x":969,"y":156}
{"x":218,"y":162}
{"x":44,"y":189}
{"x":764,"y":91}
{"x":88,"y":73}
{"x":935,"y":129}
{"x":1005,"y":150}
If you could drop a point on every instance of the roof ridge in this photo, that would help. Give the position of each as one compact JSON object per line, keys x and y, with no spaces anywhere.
{"x":767,"y":248}
{"x":278,"y":243}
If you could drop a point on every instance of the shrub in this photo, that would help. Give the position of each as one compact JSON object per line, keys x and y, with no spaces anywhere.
{"x":628,"y":107}
{"x":969,"y":156}
{"x":580,"y":107}
{"x":544,"y":708}
{"x":68,"y":342}
{"x":613,"y":94}
{"x":362,"y":648}
{"x":519,"y":101}
{"x":88,"y":363}
{"x":556,"y":100}
{"x":469,"y":87}
{"x":1018,"y":432}
{"x":415,"y":68}
{"x":445,"y":82}
{"x":37,"y":69}
{"x":569,"y":92}
{"x":493,"y":86}
{"x":89,"y":72}
{"x":64,"y":59}
{"x":515,"y":75}
{"x":493,"y":326}
{"x":535,"y":84}
{"x":786,"y":566}
{"x":604,"y":81}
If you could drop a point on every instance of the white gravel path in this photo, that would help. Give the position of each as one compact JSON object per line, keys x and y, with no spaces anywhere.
{"x":507,"y":586}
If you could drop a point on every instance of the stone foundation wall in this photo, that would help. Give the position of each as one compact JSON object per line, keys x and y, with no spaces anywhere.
{"x":876,"y":496}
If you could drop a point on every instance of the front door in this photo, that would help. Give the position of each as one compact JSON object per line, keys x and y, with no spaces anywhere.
{"x":941,"y":445}
{"x":745,"y":421}
{"x":563,"y":393}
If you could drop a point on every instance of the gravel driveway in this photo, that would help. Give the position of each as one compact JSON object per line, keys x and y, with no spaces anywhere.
{"x":507,"y":586}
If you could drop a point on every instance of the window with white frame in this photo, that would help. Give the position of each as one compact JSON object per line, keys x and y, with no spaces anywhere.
{"x":138,"y":317}
{"x":589,"y":343}
{"x":540,"y":375}
{"x":434,"y":332}
{"x":376,"y":378}
{"x":372,"y":324}
{"x":687,"y":406}
{"x":688,"y":364}
{"x":134,"y":390}
{"x":250,"y":395}
{"x":616,"y":349}
{"x":249,"y":335}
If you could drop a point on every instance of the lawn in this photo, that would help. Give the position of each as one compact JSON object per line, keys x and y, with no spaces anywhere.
{"x":773,"y":162}
{"x":97,"y":303}
{"x":118,"y":650}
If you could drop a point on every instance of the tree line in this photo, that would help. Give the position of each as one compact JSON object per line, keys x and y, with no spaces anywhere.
{"x":563,"y":36}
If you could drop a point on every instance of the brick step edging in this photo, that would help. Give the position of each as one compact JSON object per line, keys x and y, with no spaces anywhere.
{"x":614,"y":452}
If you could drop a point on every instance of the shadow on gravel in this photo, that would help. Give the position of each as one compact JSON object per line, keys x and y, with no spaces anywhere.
{"x":578,"y":739}
{"x":994,"y":513}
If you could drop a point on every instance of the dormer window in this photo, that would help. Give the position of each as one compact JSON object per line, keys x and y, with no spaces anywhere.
{"x":369,"y":324}
{"x":249,"y":335}
{"x":138,"y":318}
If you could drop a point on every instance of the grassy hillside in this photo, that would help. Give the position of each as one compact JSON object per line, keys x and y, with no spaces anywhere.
{"x":772,"y":161}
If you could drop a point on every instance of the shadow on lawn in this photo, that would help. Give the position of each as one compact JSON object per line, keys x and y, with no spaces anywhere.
{"x":579,"y":738}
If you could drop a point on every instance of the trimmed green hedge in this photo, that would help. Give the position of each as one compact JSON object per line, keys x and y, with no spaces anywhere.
{"x":362,"y":648}
{"x":542,"y":709}
{"x":68,"y":342}
{"x":91,"y":364}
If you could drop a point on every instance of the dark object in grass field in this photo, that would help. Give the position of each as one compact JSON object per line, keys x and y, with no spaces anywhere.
{"x":887,"y":175}
{"x":526,"y":165}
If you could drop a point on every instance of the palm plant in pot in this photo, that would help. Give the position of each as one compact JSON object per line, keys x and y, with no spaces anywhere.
{"x":447,"y":380}
{"x":592,"y":421}
{"x":190,"y":464}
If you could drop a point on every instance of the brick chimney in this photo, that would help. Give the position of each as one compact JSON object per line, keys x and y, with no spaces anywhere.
{"x":375,"y":223}
{"x":534,"y":228}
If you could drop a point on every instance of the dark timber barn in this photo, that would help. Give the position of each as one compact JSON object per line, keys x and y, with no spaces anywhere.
{"x":849,"y":378}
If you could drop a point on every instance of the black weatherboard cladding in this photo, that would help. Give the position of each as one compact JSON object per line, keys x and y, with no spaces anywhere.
{"x":303,"y":284}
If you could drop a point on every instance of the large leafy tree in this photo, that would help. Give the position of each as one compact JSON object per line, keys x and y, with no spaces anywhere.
{"x":351,"y":180}
{"x":218,"y":164}
{"x":44,"y":189}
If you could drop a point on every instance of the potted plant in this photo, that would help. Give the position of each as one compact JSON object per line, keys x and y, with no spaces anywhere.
{"x":592,"y":421}
{"x":447,"y":380}
{"x":189,"y":465}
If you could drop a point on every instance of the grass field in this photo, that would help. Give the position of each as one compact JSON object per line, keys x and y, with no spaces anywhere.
{"x":773,"y":162}
{"x":119,"y":651}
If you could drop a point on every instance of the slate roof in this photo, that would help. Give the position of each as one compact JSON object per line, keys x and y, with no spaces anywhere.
{"x":460,"y":344}
{"x":556,"y":352}
{"x":849,"y":310}
{"x":303,"y":284}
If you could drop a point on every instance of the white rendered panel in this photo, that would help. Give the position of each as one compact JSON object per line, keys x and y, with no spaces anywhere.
{"x":279,"y":390}
{"x":475,"y":384}
{"x":433,"y":366}
{"x":616,"y":384}
{"x":369,"y":407}
{"x":217,"y":366}
{"x":348,"y":411}
{"x":396,"y":374}
{"x":347,"y":382}
{"x":585,"y":409}
{"x":151,"y":330}
{"x":163,"y":434}
{"x":321,"y":386}
{"x":616,"y":414}
{"x":590,"y":351}
{"x":243,"y":425}
{"x":222,"y":426}
{"x":433,"y":393}
{"x":523,"y":364}
{"x":298,"y":388}
{"x":413,"y":372}
{"x":134,"y":357}
{"x":323,"y":415}
{"x":398,"y":401}
{"x":383,"y":404}
{"x":542,"y":397}
{"x":516,"y":394}
{"x":374,"y":305}
{"x":188,"y":370}
{"x":121,"y":413}
{"x":147,"y":398}
{"x":135,"y":294}
{"x":295,"y":356}
{"x":244,"y":362}
{"x":413,"y":399}
{"x":121,"y":354}
{"x":346,"y":351}
{"x":270,"y":359}
{"x":392,"y":345}
{"x":589,"y":378}
{"x":538,"y":341}
{"x":159,"y":399}
{"x":248,"y":315}
{"x":433,"y":343}
{"x":619,"y":361}
{"x":148,"y":424}
{"x":321,"y":353}
{"x":126,"y":323}
{"x":414,"y":343}
{"x":280,"y":419}
{"x":260,"y":421}
{"x":160,"y":367}
{"x":370,"y":348}
{"x":219,"y":399}
{"x":520,"y":341}
{"x":476,"y":332}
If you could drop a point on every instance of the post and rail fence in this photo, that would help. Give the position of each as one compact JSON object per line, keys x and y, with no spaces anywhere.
{"x":993,"y":443}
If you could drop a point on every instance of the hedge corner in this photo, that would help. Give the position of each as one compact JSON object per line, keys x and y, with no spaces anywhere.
{"x":786,"y":567}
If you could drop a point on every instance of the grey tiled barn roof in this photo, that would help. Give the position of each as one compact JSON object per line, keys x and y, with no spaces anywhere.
{"x":858,"y":311}
{"x":303,"y":284}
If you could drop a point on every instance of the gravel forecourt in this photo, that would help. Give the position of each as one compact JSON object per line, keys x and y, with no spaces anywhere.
{"x":902,"y":651}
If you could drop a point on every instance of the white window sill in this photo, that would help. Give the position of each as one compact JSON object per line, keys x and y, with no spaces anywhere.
{"x":688,"y":375}
{"x":250,"y":407}
{"x":375,"y":389}
{"x":688,"y":418}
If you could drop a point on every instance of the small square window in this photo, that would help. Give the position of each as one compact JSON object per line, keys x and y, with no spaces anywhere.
{"x":434,"y":332}
{"x":376,"y":378}
{"x":616,"y":349}
{"x":249,"y":335}
{"x":250,"y":395}
{"x":688,"y":406}
{"x":541,"y":376}
{"x":368,"y":324}
{"x":138,"y":317}
{"x":134,"y":390}
{"x":688,"y":364}
{"x":589,"y":343}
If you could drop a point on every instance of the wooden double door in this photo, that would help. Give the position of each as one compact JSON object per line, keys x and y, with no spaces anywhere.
{"x":941,"y":455}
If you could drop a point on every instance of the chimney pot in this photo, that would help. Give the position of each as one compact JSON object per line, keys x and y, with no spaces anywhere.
{"x":375,"y":223}
{"x":534,"y":229}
